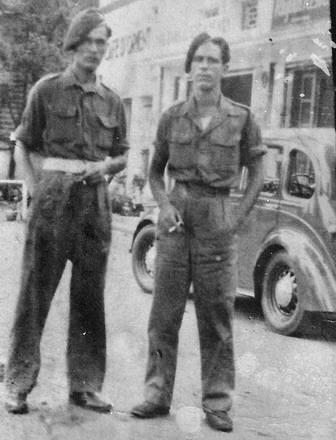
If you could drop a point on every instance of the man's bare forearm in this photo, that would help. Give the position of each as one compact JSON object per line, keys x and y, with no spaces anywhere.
{"x":23,"y":160}
{"x":254,"y":186}
{"x":115,"y":164}
{"x":169,"y":217}
{"x":156,"y":181}
{"x":157,"y":186}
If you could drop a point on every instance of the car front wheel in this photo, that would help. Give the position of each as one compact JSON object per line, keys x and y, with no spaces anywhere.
{"x":143,"y":256}
{"x":280,"y":300}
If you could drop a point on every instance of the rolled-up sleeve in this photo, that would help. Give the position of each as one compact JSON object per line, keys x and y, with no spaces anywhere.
{"x":251,"y":146}
{"x":30,"y":131}
{"x":161,"y":146}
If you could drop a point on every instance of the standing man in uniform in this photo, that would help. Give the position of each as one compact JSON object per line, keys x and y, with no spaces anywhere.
{"x":205,"y":141}
{"x":78,"y":125}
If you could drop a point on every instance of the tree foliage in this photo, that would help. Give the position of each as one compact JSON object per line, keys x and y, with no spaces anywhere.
{"x":31,"y":43}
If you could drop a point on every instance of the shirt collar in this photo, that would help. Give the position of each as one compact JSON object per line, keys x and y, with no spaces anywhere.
{"x":225,"y":110}
{"x":70,"y":80}
{"x":189,"y":107}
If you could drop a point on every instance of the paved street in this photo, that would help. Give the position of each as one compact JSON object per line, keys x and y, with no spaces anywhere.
{"x":286,"y":387}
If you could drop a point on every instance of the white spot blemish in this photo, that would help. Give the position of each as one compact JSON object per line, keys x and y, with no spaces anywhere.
{"x":247,"y":364}
{"x":125,"y":347}
{"x":309,"y":4}
{"x":291,"y":56}
{"x":302,"y":95}
{"x":319,"y":43}
{"x":188,"y":419}
{"x":320,"y":63}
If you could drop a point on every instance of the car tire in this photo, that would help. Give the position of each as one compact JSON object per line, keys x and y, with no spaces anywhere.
{"x":280,"y":299}
{"x":143,"y":245}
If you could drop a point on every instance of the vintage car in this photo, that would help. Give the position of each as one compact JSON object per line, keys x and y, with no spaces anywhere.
{"x":287,"y":247}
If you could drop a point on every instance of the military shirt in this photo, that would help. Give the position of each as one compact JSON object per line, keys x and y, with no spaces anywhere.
{"x":215,"y":155}
{"x":64,"y":118}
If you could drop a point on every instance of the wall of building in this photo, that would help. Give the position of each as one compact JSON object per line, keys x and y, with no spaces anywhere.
{"x":270,"y":41}
{"x":6,"y":123}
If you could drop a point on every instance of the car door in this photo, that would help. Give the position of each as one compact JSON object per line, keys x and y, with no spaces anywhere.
{"x":262,"y":218}
{"x":298,"y":192}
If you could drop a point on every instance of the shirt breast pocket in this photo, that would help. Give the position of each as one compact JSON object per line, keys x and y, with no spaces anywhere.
{"x":63,"y":124}
{"x":106,"y":130}
{"x":181,"y":150}
{"x":224,"y":154}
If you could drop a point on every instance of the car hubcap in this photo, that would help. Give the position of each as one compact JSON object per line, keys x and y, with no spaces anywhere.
{"x":285,"y":292}
{"x":149,"y":260}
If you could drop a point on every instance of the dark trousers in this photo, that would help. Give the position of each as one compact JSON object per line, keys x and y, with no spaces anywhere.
{"x":204,"y":253}
{"x":68,"y":221}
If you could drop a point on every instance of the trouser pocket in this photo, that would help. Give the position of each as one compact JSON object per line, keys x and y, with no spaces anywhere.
{"x":220,"y":215}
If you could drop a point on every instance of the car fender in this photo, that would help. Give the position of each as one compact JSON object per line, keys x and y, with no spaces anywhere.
{"x":150,"y":218}
{"x":314,"y":268}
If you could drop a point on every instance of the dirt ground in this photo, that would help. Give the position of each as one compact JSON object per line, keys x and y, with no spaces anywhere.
{"x":285,"y":386}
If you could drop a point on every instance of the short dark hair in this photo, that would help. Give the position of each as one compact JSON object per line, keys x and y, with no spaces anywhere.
{"x":205,"y":38}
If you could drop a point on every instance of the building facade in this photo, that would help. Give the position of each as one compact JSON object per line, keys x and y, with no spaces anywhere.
{"x":280,"y":60}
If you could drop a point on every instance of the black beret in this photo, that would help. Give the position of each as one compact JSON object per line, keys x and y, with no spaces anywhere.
{"x":204,"y":38}
{"x":81,"y":25}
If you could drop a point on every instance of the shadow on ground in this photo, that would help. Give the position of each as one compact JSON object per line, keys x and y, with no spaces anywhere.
{"x":316,"y":326}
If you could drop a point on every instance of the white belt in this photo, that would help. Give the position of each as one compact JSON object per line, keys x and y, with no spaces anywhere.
{"x":74,"y":166}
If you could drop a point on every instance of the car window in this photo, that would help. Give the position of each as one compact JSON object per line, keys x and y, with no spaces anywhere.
{"x":272,"y":170}
{"x":301,"y":176}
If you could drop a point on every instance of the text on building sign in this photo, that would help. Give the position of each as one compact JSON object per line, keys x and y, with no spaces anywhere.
{"x":128,"y":44}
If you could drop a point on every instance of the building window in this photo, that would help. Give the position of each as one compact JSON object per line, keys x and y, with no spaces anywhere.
{"x":176,"y":88}
{"x":147,"y":123}
{"x":128,"y":113}
{"x":188,"y":88}
{"x":249,"y":14}
{"x":272,"y":166}
{"x":301,"y":178}
{"x":309,"y":98}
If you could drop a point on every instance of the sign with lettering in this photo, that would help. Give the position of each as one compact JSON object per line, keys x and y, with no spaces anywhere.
{"x":128,"y":44}
{"x":288,"y":12}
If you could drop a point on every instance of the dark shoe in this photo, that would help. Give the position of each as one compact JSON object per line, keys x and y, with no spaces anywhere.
{"x":219,"y":420}
{"x":16,"y":404}
{"x":89,"y":400}
{"x":148,"y":410}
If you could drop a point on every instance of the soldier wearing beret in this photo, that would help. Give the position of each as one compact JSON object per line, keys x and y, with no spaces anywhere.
{"x":204,"y":142}
{"x":77,"y":124}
